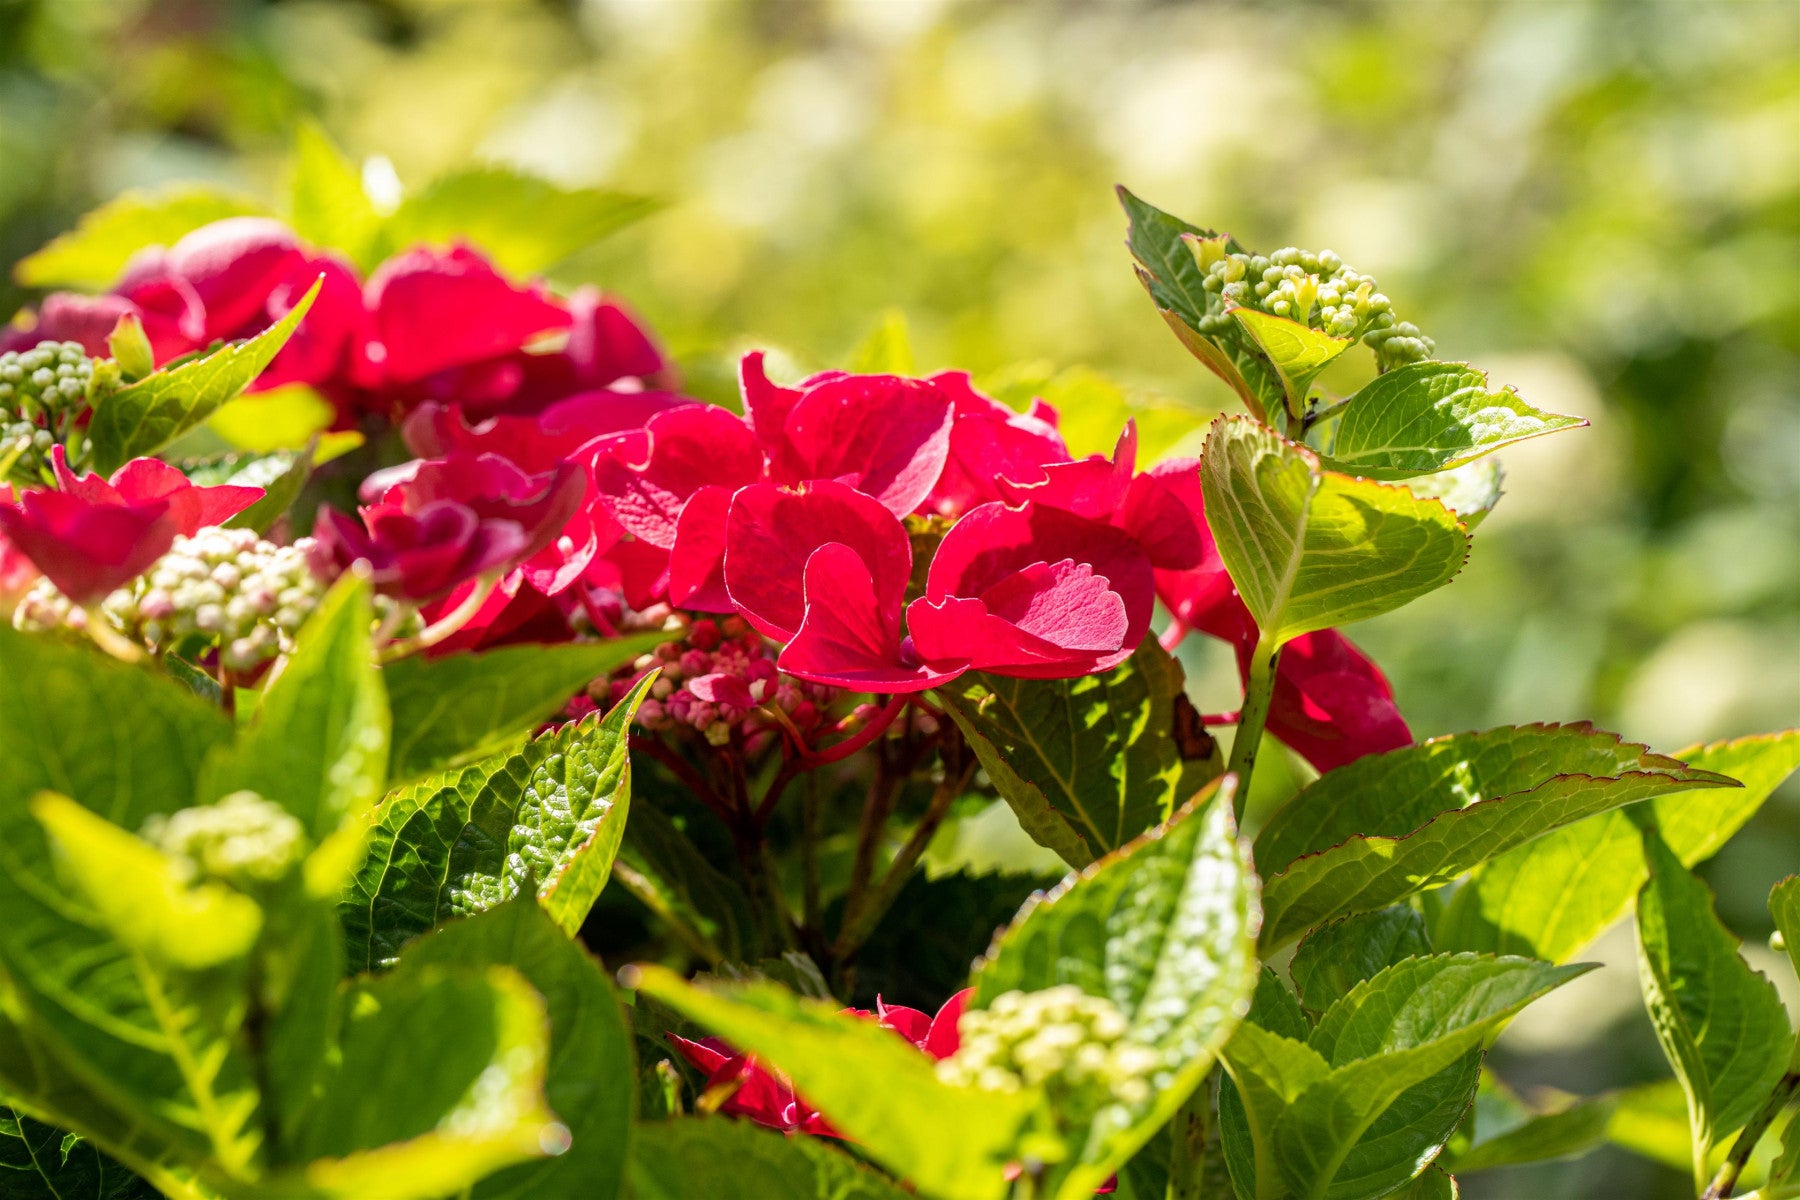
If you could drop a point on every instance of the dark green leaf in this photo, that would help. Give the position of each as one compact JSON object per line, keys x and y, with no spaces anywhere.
{"x":464,"y":707}
{"x":1165,"y":929}
{"x":1089,"y":763}
{"x":589,"y":1084}
{"x":148,"y":415}
{"x":1549,"y":898}
{"x":548,"y":816}
{"x":940,"y":926}
{"x":93,"y":255}
{"x":951,"y":1142}
{"x":736,"y":1160}
{"x":1721,"y":1024}
{"x":663,"y":868}
{"x":282,"y":475}
{"x":1425,"y":417}
{"x":1336,"y":957}
{"x":40,"y":1162}
{"x":1308,"y":548}
{"x":525,"y":224}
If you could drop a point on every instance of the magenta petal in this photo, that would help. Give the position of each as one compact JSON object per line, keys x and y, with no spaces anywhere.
{"x":945,"y":1039}
{"x":772,"y":533}
{"x":191,"y":508}
{"x":71,"y":317}
{"x":1154,"y":514}
{"x":1331,"y":703}
{"x":722,"y":688}
{"x":319,"y":349}
{"x":845,"y":640}
{"x":431,"y":310}
{"x":1064,"y":603}
{"x":232,"y":265}
{"x":697,"y":561}
{"x":959,"y":630}
{"x":646,"y":479}
{"x":87,"y":549}
{"x":990,"y":442}
{"x":886,"y":436}
{"x":766,"y":404}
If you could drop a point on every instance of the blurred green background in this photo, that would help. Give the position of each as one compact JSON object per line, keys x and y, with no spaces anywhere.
{"x":1598,"y":200}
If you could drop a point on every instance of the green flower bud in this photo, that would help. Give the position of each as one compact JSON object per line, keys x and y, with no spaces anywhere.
{"x":243,"y":840}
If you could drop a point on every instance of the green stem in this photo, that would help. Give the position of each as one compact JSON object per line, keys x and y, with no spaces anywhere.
{"x":1255,"y":713}
{"x":1187,"y":1148}
{"x":1722,"y":1183}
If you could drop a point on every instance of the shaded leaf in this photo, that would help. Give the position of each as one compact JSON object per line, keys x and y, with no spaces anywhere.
{"x":91,"y":256}
{"x":1551,"y":897}
{"x":465,"y":707}
{"x":1721,"y":1024}
{"x":736,"y":1160}
{"x":1425,"y":417}
{"x":663,"y":868}
{"x":40,"y":1162}
{"x":1310,"y":549}
{"x":1164,"y":928}
{"x":1508,"y":1133}
{"x":148,"y":415}
{"x":1784,"y":906}
{"x":1088,"y":763}
{"x":1337,"y":956}
{"x":877,"y":1088}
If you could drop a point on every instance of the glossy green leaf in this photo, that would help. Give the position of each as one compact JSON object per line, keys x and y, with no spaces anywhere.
{"x":148,"y":415}
{"x":1721,"y":1024}
{"x":525,"y":224}
{"x":1298,"y":352}
{"x":1372,"y":870}
{"x":886,"y":350}
{"x":1164,"y":928}
{"x":736,"y":1160}
{"x":326,"y":202}
{"x":1425,"y":417}
{"x":1337,"y":956}
{"x":1309,"y":549}
{"x":464,"y":707}
{"x":91,"y":256}
{"x":951,"y":1142}
{"x":1549,"y":898}
{"x":548,"y":816}
{"x":1089,"y":763}
{"x":589,"y":1082}
{"x":407,"y":1115}
{"x":41,"y":1162}
{"x":318,"y":745}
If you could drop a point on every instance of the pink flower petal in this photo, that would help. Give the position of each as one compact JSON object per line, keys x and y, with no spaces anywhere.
{"x":646,"y":478}
{"x":697,"y":563}
{"x":989,"y":442}
{"x":1331,"y":703}
{"x":86,"y":548}
{"x":231,"y":266}
{"x":886,"y":436}
{"x":432,"y":310}
{"x":845,"y":639}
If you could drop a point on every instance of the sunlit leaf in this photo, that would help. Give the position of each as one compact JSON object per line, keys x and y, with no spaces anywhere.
{"x":1298,"y":352}
{"x":887,"y":350}
{"x":326,"y":202}
{"x":93,"y":255}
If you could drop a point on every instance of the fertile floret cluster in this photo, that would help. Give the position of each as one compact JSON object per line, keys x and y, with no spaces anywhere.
{"x":1315,"y":289}
{"x":243,"y":840}
{"x":225,"y":586}
{"x":1061,"y":1039}
{"x":722,"y":676}
{"x":41,"y":392}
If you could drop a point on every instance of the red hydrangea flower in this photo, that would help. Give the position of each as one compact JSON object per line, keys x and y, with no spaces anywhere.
{"x":87,"y":547}
{"x":1330,"y":703}
{"x":989,"y":442}
{"x":534,"y":441}
{"x":143,"y":480}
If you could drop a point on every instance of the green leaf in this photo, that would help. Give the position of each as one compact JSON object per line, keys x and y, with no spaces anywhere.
{"x":1470,"y":491}
{"x":1335,"y":957}
{"x":1784,"y":906}
{"x":1429,"y":416}
{"x":148,"y":415}
{"x":1308,"y":548}
{"x":1508,"y":1133}
{"x":92,"y":255}
{"x":1371,"y":870}
{"x":1298,"y":352}
{"x":548,"y":816}
{"x":1311,"y":1105}
{"x":1721,"y":1024}
{"x":526,"y":225}
{"x":951,"y":1142}
{"x":589,"y":1081}
{"x":440,"y":1083}
{"x":665,"y":871}
{"x":464,"y":707}
{"x":736,"y":1160}
{"x":282,"y":475}
{"x":1430,"y":1184}
{"x":318,"y":745}
{"x":1089,"y":763}
{"x":41,"y":1162}
{"x":326,"y":202}
{"x":1164,"y":928}
{"x":887,"y":350}
{"x":1549,"y":898}
{"x":1651,"y":1119}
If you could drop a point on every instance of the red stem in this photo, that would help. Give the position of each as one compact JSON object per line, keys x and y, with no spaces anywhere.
{"x":856,"y":741}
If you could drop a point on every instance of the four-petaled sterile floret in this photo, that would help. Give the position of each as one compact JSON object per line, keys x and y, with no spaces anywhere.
{"x":1313,"y":288}
{"x":243,"y":840}
{"x":1060,"y":1039}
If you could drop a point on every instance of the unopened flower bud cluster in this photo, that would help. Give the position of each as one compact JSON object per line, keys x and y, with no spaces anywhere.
{"x":723,"y":646}
{"x":243,"y":840}
{"x":41,"y":389}
{"x":1315,"y":289}
{"x":1060,"y":1039}
{"x":244,"y":594}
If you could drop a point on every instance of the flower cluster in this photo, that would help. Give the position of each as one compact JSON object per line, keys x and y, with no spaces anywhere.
{"x":43,"y":394}
{"x":1315,"y":289}
{"x":243,"y":840}
{"x":1061,"y":1039}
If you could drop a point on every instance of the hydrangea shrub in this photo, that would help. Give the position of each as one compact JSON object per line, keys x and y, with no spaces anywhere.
{"x":388,"y":633}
